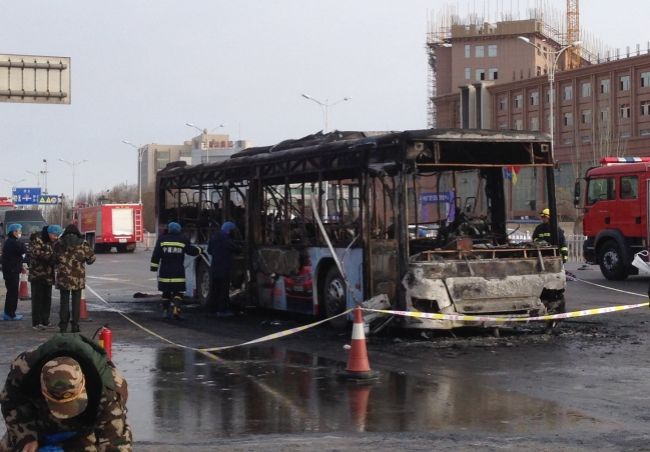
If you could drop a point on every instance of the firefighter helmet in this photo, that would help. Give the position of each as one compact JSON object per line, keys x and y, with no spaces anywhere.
{"x":545,"y":213}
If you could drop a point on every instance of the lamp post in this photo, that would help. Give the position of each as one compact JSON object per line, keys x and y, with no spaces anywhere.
{"x":203,"y":132}
{"x":325,"y":106}
{"x":73,"y":165}
{"x":44,"y":173}
{"x":140,"y":150}
{"x":552,"y":57}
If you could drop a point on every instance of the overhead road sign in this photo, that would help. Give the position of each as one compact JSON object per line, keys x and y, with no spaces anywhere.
{"x":48,"y":199}
{"x":25,"y":196}
{"x":35,"y":79}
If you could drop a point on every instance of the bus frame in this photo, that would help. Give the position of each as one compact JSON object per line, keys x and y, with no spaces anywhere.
{"x":369,"y":190}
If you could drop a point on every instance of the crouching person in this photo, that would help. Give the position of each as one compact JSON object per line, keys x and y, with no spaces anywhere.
{"x":65,"y":394}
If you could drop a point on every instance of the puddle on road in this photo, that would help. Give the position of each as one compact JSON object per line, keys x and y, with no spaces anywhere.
{"x":178,"y":395}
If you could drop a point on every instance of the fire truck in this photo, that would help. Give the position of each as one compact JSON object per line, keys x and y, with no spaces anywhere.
{"x":616,"y":214}
{"x":111,"y":225}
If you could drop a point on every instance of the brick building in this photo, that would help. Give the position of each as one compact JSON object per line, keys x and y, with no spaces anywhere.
{"x":495,"y":80}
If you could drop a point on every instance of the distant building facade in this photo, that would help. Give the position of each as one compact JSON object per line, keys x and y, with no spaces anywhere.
{"x":601,"y":108}
{"x":203,"y":148}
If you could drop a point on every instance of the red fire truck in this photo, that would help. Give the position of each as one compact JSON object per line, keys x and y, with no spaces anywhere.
{"x":616,"y":214}
{"x":111,"y":225}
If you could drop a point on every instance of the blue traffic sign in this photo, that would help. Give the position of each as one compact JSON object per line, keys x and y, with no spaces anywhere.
{"x":25,"y":196}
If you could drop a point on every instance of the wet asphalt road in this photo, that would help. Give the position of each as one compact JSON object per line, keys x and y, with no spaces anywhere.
{"x":582,"y":388}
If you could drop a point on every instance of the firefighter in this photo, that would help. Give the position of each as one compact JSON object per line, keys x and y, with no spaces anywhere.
{"x":168,"y":260}
{"x":221,"y":248}
{"x":542,"y":233}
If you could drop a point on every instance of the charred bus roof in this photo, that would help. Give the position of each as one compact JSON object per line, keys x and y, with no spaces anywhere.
{"x":351,"y":150}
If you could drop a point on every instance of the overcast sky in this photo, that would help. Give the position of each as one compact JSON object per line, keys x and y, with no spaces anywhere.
{"x":142,"y":69}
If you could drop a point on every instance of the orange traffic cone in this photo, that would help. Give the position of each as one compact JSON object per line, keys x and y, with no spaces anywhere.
{"x":23,"y":288}
{"x":83,"y":310}
{"x":358,"y":366}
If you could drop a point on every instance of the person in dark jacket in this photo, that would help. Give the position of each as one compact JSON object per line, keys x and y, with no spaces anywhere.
{"x":65,"y":395}
{"x":41,"y":273}
{"x":13,"y":251}
{"x":542,"y":233}
{"x":168,"y":260}
{"x":71,"y":254}
{"x":221,"y":248}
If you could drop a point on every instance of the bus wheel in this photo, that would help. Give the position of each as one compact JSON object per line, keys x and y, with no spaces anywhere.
{"x":611,"y":262}
{"x":203,"y":284}
{"x":335,"y":298}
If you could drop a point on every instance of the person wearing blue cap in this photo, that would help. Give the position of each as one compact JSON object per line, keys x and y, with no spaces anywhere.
{"x":168,"y":260}
{"x":41,"y":273}
{"x":13,"y":251}
{"x":221,"y":247}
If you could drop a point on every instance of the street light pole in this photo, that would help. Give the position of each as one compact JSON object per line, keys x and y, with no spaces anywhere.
{"x":140,"y":150}
{"x":325,"y":107}
{"x":552,"y":58}
{"x":73,"y":165}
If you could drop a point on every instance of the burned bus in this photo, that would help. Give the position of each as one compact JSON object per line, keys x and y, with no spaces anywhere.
{"x":418,"y":216}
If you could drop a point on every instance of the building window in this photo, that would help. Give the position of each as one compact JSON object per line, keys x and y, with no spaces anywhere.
{"x":585,"y":117}
{"x":479,"y":51}
{"x":645,"y":79}
{"x":468,"y":73}
{"x":585,"y":139}
{"x":538,"y":71}
{"x":624,"y":83}
{"x":604,"y":86}
{"x":568,"y":93}
{"x":518,"y":124}
{"x":493,"y":73}
{"x":503,"y":126}
{"x":519,"y":101}
{"x":534,"y":98}
{"x":585,"y":89}
{"x":624,"y":134}
{"x":480,"y":74}
{"x":567,"y":141}
{"x":644,"y":132}
{"x":503,"y":104}
{"x":534,"y":123}
{"x":568,"y":119}
{"x":624,"y":110}
{"x":604,"y":114}
{"x":468,"y":51}
{"x":492,"y":50}
{"x":645,"y":108}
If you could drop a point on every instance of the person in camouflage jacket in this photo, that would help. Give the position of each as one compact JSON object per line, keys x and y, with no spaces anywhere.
{"x":71,"y":253}
{"x":65,"y":394}
{"x":41,"y":273}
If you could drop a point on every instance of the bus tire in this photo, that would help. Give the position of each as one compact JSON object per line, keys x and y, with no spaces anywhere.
{"x":335,"y":298}
{"x":611,"y":262}
{"x":203,"y":284}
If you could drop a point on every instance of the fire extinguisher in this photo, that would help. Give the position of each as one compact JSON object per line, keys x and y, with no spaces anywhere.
{"x":105,"y":340}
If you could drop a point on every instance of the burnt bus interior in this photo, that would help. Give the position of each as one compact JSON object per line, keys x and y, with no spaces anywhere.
{"x":404,"y":197}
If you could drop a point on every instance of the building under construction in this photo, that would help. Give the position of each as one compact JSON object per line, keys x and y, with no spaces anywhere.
{"x":495,"y":75}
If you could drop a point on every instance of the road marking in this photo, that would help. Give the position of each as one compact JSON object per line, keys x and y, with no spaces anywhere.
{"x":107,"y":278}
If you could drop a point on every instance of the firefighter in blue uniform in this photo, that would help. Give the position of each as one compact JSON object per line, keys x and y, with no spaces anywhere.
{"x":168,"y":260}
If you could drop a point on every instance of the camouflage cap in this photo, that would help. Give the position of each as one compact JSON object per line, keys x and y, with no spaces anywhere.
{"x":64,"y":387}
